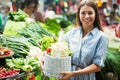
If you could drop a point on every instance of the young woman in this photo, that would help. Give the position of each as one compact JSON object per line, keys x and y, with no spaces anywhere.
{"x":29,"y":7}
{"x":87,"y":42}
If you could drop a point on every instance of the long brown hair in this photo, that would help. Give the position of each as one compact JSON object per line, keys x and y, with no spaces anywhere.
{"x":97,"y":22}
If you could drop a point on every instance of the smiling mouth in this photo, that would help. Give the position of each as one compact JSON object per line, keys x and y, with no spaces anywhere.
{"x":86,"y":21}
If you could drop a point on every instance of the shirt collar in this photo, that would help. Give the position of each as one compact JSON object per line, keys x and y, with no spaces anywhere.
{"x":94,"y":31}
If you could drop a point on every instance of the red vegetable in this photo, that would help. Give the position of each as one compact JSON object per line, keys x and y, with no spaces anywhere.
{"x":48,"y":50}
{"x":5,"y":72}
{"x":5,"y":51}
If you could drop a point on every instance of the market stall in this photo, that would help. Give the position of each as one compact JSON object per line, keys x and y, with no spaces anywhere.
{"x":27,"y":40}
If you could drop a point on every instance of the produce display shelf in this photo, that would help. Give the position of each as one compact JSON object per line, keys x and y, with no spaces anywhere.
{"x":19,"y":76}
{"x":15,"y":77}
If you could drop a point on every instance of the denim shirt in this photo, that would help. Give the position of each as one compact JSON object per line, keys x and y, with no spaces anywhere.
{"x":87,"y":50}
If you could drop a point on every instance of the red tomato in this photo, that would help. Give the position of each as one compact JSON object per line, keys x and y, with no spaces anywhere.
{"x":48,"y":50}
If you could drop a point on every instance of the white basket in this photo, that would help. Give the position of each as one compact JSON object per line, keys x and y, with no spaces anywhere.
{"x":53,"y":66}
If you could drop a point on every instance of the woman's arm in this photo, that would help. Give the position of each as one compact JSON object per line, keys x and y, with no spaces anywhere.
{"x":90,"y":69}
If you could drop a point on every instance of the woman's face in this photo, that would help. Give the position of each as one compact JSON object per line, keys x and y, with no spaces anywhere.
{"x":87,"y":16}
{"x":30,"y":8}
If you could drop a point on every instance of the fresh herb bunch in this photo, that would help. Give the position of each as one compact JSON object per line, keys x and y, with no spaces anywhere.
{"x":52,"y":26}
{"x":46,"y":42}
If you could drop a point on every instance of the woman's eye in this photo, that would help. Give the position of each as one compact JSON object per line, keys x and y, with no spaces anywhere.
{"x":89,"y":13}
{"x":82,"y":12}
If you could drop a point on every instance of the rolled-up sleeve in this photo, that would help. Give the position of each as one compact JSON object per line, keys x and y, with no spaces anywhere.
{"x":100,"y":53}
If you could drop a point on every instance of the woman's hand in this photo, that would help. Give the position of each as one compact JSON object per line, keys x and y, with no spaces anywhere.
{"x":66,"y":75}
{"x":41,"y":65}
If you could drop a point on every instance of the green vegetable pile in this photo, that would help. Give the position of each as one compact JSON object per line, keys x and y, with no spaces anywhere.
{"x":17,"y":16}
{"x":20,"y":46}
{"x":112,"y":63}
{"x":24,"y":64}
{"x":64,"y":23}
{"x":52,"y":26}
{"x":12,"y":28}
{"x":16,"y":22}
{"x":46,"y":42}
{"x":35,"y":31}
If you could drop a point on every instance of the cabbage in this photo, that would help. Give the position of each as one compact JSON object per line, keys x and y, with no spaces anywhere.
{"x":60,"y":49}
{"x":12,"y":28}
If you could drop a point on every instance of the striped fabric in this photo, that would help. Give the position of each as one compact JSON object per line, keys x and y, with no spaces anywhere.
{"x":90,"y":49}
